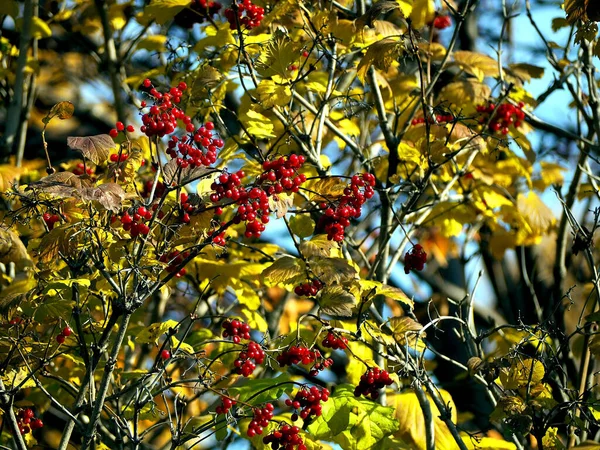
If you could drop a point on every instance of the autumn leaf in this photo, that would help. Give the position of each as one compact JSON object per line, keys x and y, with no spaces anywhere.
{"x":285,"y":270}
{"x":381,"y":55}
{"x":95,"y":148}
{"x":63,"y":110}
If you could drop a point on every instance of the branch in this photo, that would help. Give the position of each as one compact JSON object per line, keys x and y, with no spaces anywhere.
{"x":7,"y":401}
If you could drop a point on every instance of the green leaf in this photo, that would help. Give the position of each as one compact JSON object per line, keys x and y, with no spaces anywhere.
{"x":14,"y":378}
{"x":257,"y":392}
{"x":354,"y":423}
{"x":52,"y":308}
{"x":337,"y":300}
{"x":302,"y":225}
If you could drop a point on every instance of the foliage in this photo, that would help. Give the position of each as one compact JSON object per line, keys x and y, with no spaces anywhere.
{"x":277,"y":248}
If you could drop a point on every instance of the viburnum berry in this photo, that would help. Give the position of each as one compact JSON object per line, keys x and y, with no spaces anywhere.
{"x":286,"y":437}
{"x":115,"y":157}
{"x":113,"y":133}
{"x":67,"y":331}
{"x":336,"y":217}
{"x":175,"y":259}
{"x":334,"y":342}
{"x":60,"y":338}
{"x":165,"y":354}
{"x":247,"y":14}
{"x":415,"y":259}
{"x":236,"y":329}
{"x":300,"y":354}
{"x":372,"y":382}
{"x":130,"y":129}
{"x":439,"y":119}
{"x":260,"y":420}
{"x":248,"y":358}
{"x":307,"y":402}
{"x":135,"y":224}
{"x":441,"y":22}
{"x":225,"y":406}
{"x":503,"y":117}
{"x":50,"y":219}
{"x":308,"y":289}
{"x":81,"y":169}
{"x":27,"y":422}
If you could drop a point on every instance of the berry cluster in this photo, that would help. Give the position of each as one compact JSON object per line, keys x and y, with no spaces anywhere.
{"x":198,"y":148}
{"x":439,"y":119}
{"x":50,"y":219}
{"x":135,"y":224}
{"x":283,"y":174}
{"x":162,"y":117}
{"x":503,"y":116}
{"x":442,"y":22}
{"x":309,"y":289}
{"x":80,"y":169}
{"x":337,"y":217}
{"x":245,"y":13}
{"x":261,"y":419}
{"x":372,"y":382}
{"x":65,"y":333}
{"x":334,"y":342}
{"x":116,"y":157}
{"x":219,"y":239}
{"x":286,"y":438}
{"x":175,"y":258}
{"x":308,"y":401}
{"x":120,"y":127}
{"x":27,"y":421}
{"x":15,"y":321}
{"x":244,"y":364}
{"x":158,"y":192}
{"x":237,"y":329}
{"x":303,"y":355}
{"x":197,"y":12}
{"x":415,"y":259}
{"x":225,"y":406}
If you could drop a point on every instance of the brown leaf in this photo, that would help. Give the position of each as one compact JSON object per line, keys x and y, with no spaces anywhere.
{"x":281,"y":204}
{"x":64,"y":110}
{"x":61,"y":184}
{"x":109,"y":195}
{"x":12,"y":249}
{"x":59,"y":240}
{"x":175,"y":175}
{"x":576,"y":9}
{"x":95,"y":148}
{"x":380,"y":8}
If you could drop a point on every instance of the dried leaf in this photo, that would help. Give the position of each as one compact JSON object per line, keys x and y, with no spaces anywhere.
{"x":281,"y":203}
{"x":379,"y":8}
{"x":63,"y":110}
{"x":109,"y":195}
{"x":95,"y":148}
{"x":61,"y":184}
{"x":12,"y":249}
{"x":177,"y":176}
{"x":58,"y":240}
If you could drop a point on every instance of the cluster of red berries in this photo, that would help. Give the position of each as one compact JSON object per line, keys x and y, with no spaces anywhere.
{"x":27,"y":421}
{"x":225,"y":406}
{"x":64,"y":334}
{"x":175,"y":258}
{"x":260,"y":420}
{"x":308,"y":401}
{"x":439,"y":118}
{"x":196,"y":12}
{"x":187,"y":207}
{"x":219,"y":239}
{"x":81,"y":169}
{"x":158,"y":192}
{"x":50,"y":219}
{"x":15,"y":321}
{"x":162,"y":117}
{"x":283,"y":174}
{"x":309,"y":289}
{"x":334,"y":342}
{"x":247,"y":359}
{"x":442,"y":22}
{"x":286,"y":438}
{"x":120,"y":127}
{"x":503,"y":116}
{"x":246,"y":13}
{"x":134,"y":224}
{"x":116,"y":157}
{"x":237,"y":329}
{"x":415,"y":259}
{"x":198,"y":148}
{"x":372,"y":382}
{"x":299,"y":354}
{"x":337,"y":217}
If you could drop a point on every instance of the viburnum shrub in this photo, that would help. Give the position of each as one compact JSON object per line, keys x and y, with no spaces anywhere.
{"x":298,"y":225}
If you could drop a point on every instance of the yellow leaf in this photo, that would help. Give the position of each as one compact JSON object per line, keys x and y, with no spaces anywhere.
{"x":486,"y":443}
{"x":153,"y":333}
{"x":476,"y":64}
{"x":412,"y":423}
{"x":381,"y":55}
{"x":15,"y":377}
{"x":155,"y":43}
{"x":423,"y":12}
{"x":526,"y":372}
{"x":526,"y":72}
{"x":182,"y":345}
{"x":539,"y":217}
{"x":286,"y":270}
{"x":551,"y":440}
{"x":406,"y":6}
{"x":270,"y":94}
{"x":39,"y":28}
{"x":257,"y":124}
{"x":466,"y":93}
{"x":164,"y":10}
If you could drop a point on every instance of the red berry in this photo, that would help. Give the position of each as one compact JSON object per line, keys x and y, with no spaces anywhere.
{"x":67,"y":331}
{"x":130,"y":128}
{"x":120,"y":126}
{"x":165,"y":354}
{"x":113,"y":133}
{"x":60,"y":338}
